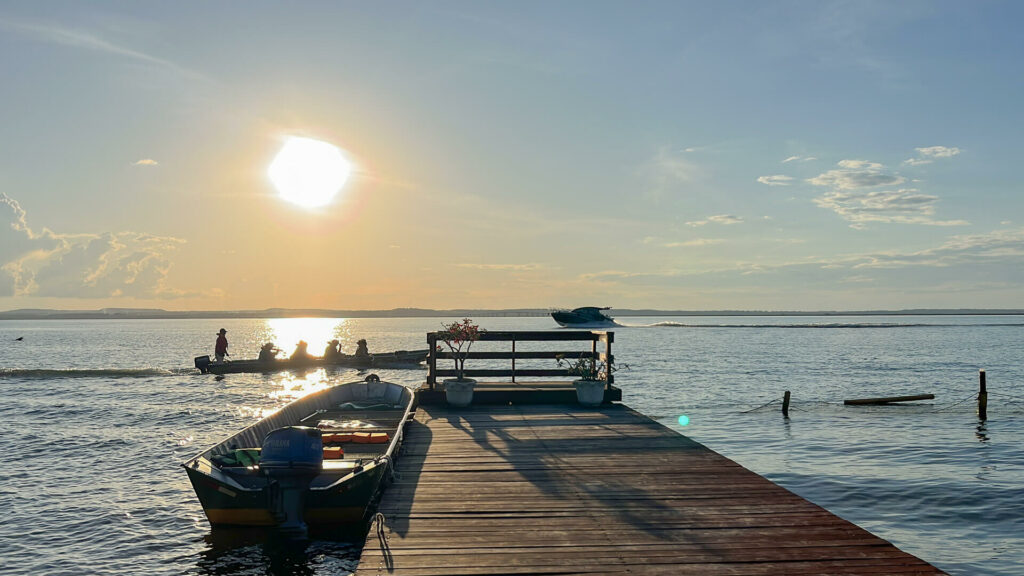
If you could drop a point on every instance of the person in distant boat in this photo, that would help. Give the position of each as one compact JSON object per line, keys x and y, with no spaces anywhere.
{"x":301,"y":351}
{"x":269,"y":352}
{"x":361,"y":349}
{"x":221,"y":348}
{"x":333,"y":350}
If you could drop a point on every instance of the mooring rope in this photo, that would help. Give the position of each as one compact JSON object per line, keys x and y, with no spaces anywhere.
{"x":1013,"y":398}
{"x":382,"y":537}
{"x":971,"y":397}
{"x":762,"y":405}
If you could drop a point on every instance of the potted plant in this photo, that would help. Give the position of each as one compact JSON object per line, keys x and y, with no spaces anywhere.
{"x":458,"y":337}
{"x":592,"y":376}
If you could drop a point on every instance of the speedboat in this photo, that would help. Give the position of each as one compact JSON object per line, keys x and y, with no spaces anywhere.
{"x":399,"y":359}
{"x":586,"y":317}
{"x":321,"y":460}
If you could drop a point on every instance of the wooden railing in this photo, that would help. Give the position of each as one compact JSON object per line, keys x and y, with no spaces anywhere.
{"x":593,"y":337}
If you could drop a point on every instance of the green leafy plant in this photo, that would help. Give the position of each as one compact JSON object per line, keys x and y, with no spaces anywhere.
{"x":588,"y":368}
{"x":458,"y":337}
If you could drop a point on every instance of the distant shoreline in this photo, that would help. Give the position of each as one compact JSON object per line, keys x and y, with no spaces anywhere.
{"x":157,"y":314}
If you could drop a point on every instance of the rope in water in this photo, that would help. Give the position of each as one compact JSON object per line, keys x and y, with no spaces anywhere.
{"x":762,"y":405}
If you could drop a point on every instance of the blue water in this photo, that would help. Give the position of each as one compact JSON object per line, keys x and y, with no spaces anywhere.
{"x":96,"y":416}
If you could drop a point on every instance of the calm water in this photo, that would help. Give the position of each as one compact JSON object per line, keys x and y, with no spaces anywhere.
{"x":95,"y":417}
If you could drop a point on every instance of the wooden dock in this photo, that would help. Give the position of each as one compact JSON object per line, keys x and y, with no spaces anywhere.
{"x":561,"y":489}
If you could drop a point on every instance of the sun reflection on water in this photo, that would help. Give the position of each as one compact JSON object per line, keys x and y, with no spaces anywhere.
{"x":317,"y":332}
{"x":295,"y":385}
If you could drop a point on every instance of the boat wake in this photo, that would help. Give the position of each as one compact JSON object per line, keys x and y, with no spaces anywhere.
{"x":815,"y":325}
{"x":34,"y":373}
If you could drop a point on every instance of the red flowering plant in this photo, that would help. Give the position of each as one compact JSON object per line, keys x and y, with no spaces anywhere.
{"x":459,"y":338}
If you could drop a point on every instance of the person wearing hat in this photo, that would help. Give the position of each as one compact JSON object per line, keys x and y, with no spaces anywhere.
{"x":269,"y":352}
{"x":361,"y":349}
{"x":221,"y":349}
{"x":332,"y":351}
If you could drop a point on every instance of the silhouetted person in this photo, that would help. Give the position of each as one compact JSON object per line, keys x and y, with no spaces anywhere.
{"x":221,"y":349}
{"x":301,"y":351}
{"x":361,"y":349}
{"x":269,"y":352}
{"x":333,"y":350}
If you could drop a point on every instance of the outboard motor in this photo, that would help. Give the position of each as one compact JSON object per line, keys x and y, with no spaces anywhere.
{"x":291,"y":457}
{"x":203,"y":363}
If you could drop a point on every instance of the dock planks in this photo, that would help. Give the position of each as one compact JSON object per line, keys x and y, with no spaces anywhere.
{"x":561,"y":489}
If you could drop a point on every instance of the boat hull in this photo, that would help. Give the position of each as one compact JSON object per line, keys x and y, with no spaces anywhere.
{"x":588,"y":317}
{"x":225,"y":505}
{"x":401,"y":359}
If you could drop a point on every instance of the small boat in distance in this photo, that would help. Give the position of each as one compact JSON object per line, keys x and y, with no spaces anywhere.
{"x":321,"y":460}
{"x":586,"y":317}
{"x":399,"y":359}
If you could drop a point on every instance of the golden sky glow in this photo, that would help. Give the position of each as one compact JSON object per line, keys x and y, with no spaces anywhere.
{"x":677,"y":155}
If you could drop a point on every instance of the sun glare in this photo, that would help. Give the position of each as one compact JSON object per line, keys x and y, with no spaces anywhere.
{"x":309,"y":172}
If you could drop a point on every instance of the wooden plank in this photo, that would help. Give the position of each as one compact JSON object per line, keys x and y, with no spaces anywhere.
{"x":889,"y":399}
{"x":535,"y":489}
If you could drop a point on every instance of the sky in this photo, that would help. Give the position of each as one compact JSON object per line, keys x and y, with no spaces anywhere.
{"x":781,"y":155}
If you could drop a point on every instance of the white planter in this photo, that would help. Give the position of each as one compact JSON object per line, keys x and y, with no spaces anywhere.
{"x":589,"y":392}
{"x":459,"y":392}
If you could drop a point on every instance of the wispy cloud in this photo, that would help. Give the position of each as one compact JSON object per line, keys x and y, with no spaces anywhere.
{"x":696,"y":242}
{"x":666,"y":172}
{"x":88,"y":265}
{"x":146,"y":162}
{"x":798,"y":159}
{"x":502,"y":267}
{"x":776,"y":180}
{"x":724,"y":219}
{"x":1002,"y":251}
{"x":928,"y":154}
{"x":75,"y":38}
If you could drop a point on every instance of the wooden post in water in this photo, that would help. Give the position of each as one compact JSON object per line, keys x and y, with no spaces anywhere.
{"x":982,"y":396}
{"x":785,"y":405}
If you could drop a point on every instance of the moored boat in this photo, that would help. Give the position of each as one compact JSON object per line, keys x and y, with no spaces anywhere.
{"x":399,"y":359}
{"x":320,"y":460}
{"x":585,"y":317}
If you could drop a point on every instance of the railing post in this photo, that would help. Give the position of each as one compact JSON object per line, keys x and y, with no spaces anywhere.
{"x":432,"y":359}
{"x":513,"y":358}
{"x":609,"y":336}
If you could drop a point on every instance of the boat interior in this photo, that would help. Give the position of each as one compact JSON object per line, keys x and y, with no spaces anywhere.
{"x":359,"y":424}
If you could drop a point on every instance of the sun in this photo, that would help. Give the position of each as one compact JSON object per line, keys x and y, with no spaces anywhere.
{"x":308,"y":172}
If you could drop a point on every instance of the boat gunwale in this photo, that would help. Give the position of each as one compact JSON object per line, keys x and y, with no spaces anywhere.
{"x":283,"y":414}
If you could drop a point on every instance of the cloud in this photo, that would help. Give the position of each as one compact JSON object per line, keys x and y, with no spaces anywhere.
{"x":652,"y":240}
{"x":666,"y":172}
{"x":854,"y":174}
{"x":693,"y":243}
{"x":88,"y":41}
{"x":723,"y":219}
{"x":987,"y":262}
{"x":938,"y":151}
{"x":851,"y":198}
{"x":928,"y":154}
{"x":88,"y":265}
{"x":906,"y":205}
{"x":505,"y":267}
{"x":799,"y":159}
{"x":775,"y":180}
{"x":146,"y":162}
